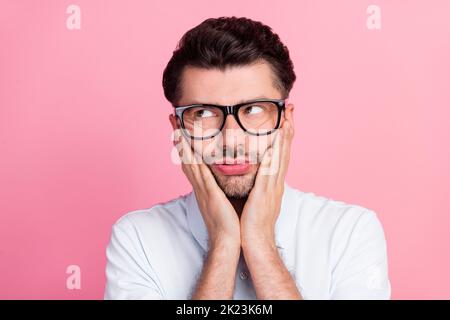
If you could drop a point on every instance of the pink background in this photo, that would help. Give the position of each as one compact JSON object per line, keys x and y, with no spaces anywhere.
{"x":84,"y":134}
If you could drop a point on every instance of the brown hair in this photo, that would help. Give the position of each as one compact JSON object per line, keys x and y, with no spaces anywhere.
{"x":226,"y":42}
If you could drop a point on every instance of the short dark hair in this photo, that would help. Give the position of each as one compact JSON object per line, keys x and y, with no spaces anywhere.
{"x":226,"y":42}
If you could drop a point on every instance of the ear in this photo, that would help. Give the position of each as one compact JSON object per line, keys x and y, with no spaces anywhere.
{"x":174,"y":121}
{"x":288,"y":114}
{"x":289,"y":111}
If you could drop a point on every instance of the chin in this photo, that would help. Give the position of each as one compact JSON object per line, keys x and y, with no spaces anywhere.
{"x":235,"y":186}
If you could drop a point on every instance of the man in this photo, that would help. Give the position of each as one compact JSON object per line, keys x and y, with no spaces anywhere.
{"x":242,"y":233}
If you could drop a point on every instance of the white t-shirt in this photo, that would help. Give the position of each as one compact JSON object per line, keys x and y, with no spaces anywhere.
{"x":333,"y":250}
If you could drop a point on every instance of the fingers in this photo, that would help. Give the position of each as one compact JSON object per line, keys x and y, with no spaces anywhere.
{"x":264,"y":170}
{"x":194,"y":167}
{"x":268,"y":167}
{"x":275,"y":161}
{"x":287,"y":134}
{"x":186,"y":156}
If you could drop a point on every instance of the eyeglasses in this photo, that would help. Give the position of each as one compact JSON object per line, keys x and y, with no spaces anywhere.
{"x":255,"y":117}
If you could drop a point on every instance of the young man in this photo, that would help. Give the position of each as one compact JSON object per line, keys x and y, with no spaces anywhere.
{"x":242,"y":233}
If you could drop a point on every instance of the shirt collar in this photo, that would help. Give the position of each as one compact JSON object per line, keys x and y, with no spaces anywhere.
{"x":284,"y":227}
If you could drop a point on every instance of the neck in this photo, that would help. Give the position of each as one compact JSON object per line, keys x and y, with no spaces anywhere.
{"x":238,"y":204}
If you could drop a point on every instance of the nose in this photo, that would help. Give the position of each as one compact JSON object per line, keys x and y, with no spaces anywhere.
{"x":232,"y":134}
{"x":230,"y":123}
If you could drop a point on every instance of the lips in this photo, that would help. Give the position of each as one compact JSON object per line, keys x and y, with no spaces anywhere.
{"x":232,"y":167}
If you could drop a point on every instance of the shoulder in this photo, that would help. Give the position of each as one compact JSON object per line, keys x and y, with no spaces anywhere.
{"x":170,"y":214}
{"x":322,"y":216}
{"x":162,"y":212}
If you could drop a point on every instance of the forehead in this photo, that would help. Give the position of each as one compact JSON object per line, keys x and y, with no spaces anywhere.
{"x":230,"y":86}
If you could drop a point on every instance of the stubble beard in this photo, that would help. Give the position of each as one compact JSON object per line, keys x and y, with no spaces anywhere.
{"x":236,"y":186}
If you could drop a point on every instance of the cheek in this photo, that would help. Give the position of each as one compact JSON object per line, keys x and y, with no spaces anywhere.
{"x":253,"y":145}
{"x":205,"y":147}
{"x":259,"y":144}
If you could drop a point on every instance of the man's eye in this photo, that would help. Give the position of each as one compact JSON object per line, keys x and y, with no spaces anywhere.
{"x":253,"y":109}
{"x":204,"y":113}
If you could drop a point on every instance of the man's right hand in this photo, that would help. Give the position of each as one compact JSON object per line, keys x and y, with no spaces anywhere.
{"x":218,"y":276}
{"x":218,"y":213}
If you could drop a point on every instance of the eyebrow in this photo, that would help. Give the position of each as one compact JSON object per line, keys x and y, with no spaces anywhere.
{"x":238,"y":102}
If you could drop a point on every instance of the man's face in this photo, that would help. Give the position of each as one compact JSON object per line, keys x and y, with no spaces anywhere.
{"x":229,"y":87}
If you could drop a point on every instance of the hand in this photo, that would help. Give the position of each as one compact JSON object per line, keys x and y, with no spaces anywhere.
{"x":263,"y":205}
{"x":271,"y":278}
{"x":218,"y":213}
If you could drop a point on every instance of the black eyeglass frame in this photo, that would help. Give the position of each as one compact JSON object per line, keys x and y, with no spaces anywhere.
{"x":233,"y":109}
